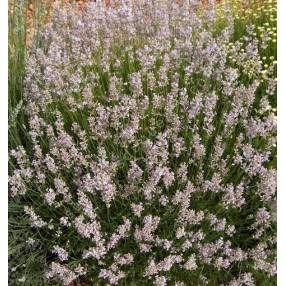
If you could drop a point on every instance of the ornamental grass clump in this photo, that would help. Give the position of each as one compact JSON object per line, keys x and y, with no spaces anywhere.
{"x":150,"y":152}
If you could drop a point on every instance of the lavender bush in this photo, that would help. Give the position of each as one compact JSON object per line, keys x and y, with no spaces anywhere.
{"x":150,"y":147}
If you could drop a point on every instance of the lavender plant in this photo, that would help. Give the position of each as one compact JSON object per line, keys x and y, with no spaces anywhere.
{"x":24,"y":266}
{"x":151,"y":149}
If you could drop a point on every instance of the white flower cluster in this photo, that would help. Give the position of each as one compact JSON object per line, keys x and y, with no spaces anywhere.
{"x":152,"y":154}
